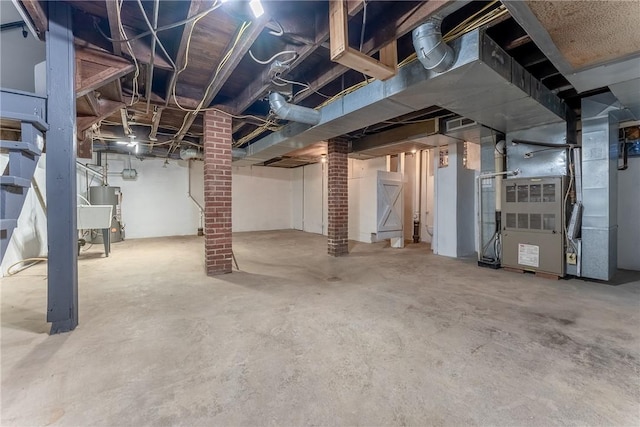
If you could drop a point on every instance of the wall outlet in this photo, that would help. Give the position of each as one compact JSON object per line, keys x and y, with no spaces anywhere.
{"x":572,"y":258}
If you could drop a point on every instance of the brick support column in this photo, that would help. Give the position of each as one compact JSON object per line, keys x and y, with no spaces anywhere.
{"x":338,"y":224}
{"x":217,"y":192}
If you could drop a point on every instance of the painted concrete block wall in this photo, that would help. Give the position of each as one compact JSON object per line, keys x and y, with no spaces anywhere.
{"x":629,"y":216}
{"x":309,"y":198}
{"x":156,"y":204}
{"x":18,"y":55}
{"x":261,"y":198}
{"x":314,"y":199}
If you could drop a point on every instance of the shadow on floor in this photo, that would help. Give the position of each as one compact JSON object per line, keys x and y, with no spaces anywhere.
{"x":24,"y":319}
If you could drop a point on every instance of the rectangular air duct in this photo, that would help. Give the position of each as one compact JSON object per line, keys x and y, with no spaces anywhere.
{"x":479,"y":85}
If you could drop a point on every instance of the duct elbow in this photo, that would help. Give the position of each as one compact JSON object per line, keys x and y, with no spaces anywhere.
{"x":433,"y":52}
{"x":294,"y":113}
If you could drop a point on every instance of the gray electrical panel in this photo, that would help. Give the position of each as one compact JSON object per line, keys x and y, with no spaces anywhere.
{"x":533,"y":221}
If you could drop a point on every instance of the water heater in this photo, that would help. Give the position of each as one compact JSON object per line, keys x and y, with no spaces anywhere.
{"x":107,"y":195}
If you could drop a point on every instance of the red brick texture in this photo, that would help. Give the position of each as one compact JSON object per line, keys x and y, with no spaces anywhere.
{"x":338,"y":224}
{"x":217,"y":192}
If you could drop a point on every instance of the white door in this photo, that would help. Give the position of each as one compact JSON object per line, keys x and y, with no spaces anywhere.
{"x":390,"y":205}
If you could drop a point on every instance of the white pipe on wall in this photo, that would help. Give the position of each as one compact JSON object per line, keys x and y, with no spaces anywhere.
{"x":498,"y":158}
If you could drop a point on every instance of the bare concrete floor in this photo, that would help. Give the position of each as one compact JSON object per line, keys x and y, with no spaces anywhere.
{"x":381,"y":337}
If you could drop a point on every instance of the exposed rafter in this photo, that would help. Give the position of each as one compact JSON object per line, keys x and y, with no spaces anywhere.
{"x":95,"y":68}
{"x":219,"y":78}
{"x":342,"y":53}
{"x":393,"y":30}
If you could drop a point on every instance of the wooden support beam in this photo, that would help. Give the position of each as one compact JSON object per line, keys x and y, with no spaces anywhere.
{"x":392,"y":30}
{"x":105,"y":109}
{"x":520,"y":41}
{"x":96,"y":68}
{"x":343,"y":54}
{"x":218,"y":79}
{"x":195,"y":7}
{"x":125,"y":121}
{"x":155,"y":122}
{"x":36,"y":12}
{"x":83,"y":148}
{"x":92,"y":101}
{"x":112,"y":16}
{"x":354,"y":7}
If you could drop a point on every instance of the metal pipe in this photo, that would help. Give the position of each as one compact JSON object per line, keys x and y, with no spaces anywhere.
{"x":200,"y":207}
{"x":498,"y":158}
{"x":479,"y":179}
{"x":417,"y":156}
{"x":432,"y":51}
{"x":89,"y":170}
{"x":292,"y":112}
{"x":191,"y":154}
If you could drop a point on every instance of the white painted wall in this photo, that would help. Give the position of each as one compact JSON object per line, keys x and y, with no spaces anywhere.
{"x":261,"y":198}
{"x":309,"y":196}
{"x":363,"y":182}
{"x":156,"y":204}
{"x":629,"y":216}
{"x":454,"y":233}
{"x":18,"y":55}
{"x":29,"y":238}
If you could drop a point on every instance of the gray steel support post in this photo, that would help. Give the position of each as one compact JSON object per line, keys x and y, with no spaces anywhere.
{"x":62,"y":309}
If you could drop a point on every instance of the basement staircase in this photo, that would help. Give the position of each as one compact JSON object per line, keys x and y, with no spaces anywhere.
{"x":26,"y":111}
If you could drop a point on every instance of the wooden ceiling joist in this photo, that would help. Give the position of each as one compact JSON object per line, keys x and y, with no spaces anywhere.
{"x":38,"y":15}
{"x":392,"y":30}
{"x":343,"y":54}
{"x":219,"y":77}
{"x":96,"y":68}
{"x":112,"y":15}
{"x":105,"y":108}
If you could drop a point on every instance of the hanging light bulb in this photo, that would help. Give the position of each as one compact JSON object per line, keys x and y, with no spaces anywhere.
{"x":256,"y":8}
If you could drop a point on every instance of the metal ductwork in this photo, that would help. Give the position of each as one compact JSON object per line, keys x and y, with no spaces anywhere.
{"x":191,"y":154}
{"x":292,"y":112}
{"x":194,"y":154}
{"x":238,"y":153}
{"x":601,"y":115}
{"x":432,"y":51}
{"x":483,"y":84}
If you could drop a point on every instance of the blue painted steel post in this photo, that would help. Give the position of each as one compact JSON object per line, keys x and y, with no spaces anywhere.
{"x":61,"y":171}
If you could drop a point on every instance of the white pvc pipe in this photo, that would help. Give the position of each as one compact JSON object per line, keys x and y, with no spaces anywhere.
{"x":498,"y":158}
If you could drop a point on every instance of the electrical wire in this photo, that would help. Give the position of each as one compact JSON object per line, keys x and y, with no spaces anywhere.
{"x":222,"y":63}
{"x":279,"y":33}
{"x":35,"y":260}
{"x":135,"y":85}
{"x":270,"y":60}
{"x":155,"y":34}
{"x":198,"y":16}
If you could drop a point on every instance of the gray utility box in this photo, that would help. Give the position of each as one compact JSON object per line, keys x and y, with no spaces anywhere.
{"x":533,"y":220}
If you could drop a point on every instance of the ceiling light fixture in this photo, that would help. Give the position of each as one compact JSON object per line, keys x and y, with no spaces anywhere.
{"x":323,"y":158}
{"x":256,"y":8}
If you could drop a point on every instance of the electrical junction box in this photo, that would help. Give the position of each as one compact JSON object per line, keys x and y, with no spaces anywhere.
{"x":533,"y":223}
